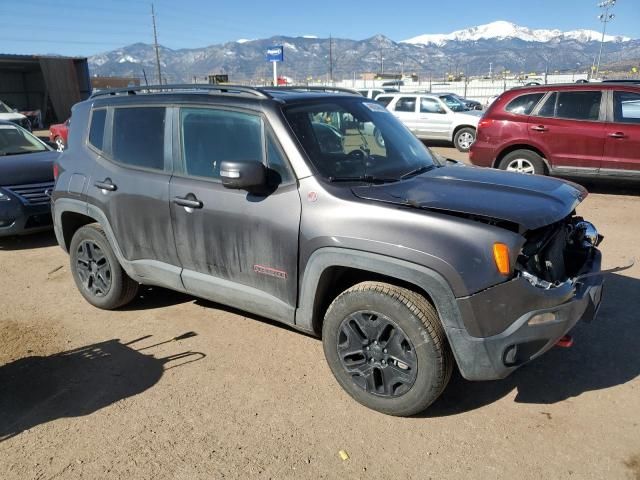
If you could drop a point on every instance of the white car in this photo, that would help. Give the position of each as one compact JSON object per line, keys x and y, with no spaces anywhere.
{"x":10,"y":115}
{"x":435,"y":117}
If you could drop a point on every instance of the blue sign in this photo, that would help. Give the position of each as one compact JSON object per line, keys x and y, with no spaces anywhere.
{"x":275,"y":54}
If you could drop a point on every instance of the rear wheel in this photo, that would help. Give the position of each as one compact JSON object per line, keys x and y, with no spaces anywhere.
{"x":464,"y":138}
{"x":96,"y":270}
{"x":523,"y":161}
{"x":387,"y":348}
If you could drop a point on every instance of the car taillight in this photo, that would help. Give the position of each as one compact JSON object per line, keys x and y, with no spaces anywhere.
{"x":56,"y":171}
{"x":485,"y":122}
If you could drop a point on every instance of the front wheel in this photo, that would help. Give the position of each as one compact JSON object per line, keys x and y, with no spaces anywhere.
{"x":464,"y":138}
{"x":387,"y":348}
{"x":96,"y":270}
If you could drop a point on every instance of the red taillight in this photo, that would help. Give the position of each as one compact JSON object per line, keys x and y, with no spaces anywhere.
{"x":56,"y":171}
{"x":485,"y":122}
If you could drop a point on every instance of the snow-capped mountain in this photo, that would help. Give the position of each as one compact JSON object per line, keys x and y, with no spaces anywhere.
{"x":503,"y":30}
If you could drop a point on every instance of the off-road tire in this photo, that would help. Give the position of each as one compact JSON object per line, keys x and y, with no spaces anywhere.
{"x":122,"y":289}
{"x":417,"y":319}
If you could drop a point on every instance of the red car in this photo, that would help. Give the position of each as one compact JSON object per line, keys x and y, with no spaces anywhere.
{"x":59,"y":133}
{"x":578,"y":129}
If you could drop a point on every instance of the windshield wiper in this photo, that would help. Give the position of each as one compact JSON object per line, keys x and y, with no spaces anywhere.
{"x":417,"y":171}
{"x":363,"y":178}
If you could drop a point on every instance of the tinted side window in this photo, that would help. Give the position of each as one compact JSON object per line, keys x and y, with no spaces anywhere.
{"x":626,"y":107}
{"x":384,"y":100}
{"x":548,"y":109}
{"x":406,"y":104}
{"x":96,"y":129}
{"x":523,"y":105}
{"x":430,"y":105}
{"x":138,"y":136}
{"x":579,"y":105}
{"x":212,"y":136}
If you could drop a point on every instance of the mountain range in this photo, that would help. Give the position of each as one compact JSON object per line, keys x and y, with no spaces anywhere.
{"x":504,"y":45}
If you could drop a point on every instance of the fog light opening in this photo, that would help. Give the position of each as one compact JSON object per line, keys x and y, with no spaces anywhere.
{"x":542,"y":318}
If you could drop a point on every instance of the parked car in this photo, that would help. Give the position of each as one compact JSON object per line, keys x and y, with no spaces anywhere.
{"x":576,"y":129}
{"x":26,"y":181}
{"x":58,"y":134}
{"x":403,"y":264}
{"x":434,"y":117}
{"x":8,"y":114}
{"x":374,"y":92}
{"x":470,"y":104}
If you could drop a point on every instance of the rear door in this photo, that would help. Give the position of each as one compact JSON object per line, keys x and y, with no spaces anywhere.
{"x":238,"y":248}
{"x":569,"y":126}
{"x":622,"y":144}
{"x":130,"y":184}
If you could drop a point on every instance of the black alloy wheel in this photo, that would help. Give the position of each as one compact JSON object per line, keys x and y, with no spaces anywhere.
{"x":93,"y":268}
{"x":377,"y":353}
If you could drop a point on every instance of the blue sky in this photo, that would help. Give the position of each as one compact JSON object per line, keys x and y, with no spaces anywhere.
{"x":85,"y":27}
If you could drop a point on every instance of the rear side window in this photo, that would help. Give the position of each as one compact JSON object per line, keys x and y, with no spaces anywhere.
{"x":578,"y":105}
{"x":406,"y":104}
{"x":626,"y":107}
{"x":524,"y":104}
{"x":138,"y":136}
{"x":211,"y":136}
{"x":384,"y":100}
{"x":96,"y":129}
{"x":430,"y":105}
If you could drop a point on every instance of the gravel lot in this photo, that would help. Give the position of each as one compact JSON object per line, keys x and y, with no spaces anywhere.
{"x":86,"y":393}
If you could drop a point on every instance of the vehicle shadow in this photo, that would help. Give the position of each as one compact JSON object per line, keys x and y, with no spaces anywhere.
{"x":36,"y":390}
{"x":26,"y":242}
{"x":605,"y":354}
{"x":150,"y":297}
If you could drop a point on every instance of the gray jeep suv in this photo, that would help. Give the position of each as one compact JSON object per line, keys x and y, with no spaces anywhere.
{"x":280,"y":202}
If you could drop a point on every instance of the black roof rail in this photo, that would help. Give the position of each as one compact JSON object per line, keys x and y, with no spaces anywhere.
{"x":306,"y":88}
{"x":182,"y":87}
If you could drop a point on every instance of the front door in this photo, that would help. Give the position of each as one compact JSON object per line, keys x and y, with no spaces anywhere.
{"x":235,"y":247}
{"x":622,"y":144}
{"x":405,"y":109}
{"x":569,"y":127}
{"x":434,"y":121}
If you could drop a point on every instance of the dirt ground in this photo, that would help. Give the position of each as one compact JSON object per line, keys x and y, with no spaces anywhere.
{"x":173,"y":387}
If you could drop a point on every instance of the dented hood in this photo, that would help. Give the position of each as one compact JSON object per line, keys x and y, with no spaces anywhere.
{"x":530,"y":201}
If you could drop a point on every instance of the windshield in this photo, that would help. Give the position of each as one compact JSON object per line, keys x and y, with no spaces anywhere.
{"x":453,"y":103}
{"x":352,"y":139}
{"x":4,"y":108}
{"x":14,"y":141}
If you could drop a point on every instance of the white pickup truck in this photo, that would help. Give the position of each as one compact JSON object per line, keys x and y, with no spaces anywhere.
{"x":435,"y":117}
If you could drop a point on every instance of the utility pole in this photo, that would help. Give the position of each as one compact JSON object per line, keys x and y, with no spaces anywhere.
{"x":604,"y":18}
{"x":155,"y":42}
{"x":331,"y":59}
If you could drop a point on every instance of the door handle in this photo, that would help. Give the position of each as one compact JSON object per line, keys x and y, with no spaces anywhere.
{"x":617,"y":135}
{"x":540,"y":128}
{"x":107,"y":185}
{"x":187,"y":203}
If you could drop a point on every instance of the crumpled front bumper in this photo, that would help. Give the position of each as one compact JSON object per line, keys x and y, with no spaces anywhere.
{"x":484,"y":354}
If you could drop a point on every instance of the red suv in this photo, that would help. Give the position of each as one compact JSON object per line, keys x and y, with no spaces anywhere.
{"x":577,"y":129}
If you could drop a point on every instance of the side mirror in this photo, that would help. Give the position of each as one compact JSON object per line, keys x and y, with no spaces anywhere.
{"x":245,"y":175}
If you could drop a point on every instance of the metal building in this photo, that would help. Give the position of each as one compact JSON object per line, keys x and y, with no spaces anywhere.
{"x":44,"y":85}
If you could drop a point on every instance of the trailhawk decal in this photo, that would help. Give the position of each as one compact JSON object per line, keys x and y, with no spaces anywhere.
{"x":272,"y":272}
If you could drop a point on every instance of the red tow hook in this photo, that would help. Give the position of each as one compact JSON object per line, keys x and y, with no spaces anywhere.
{"x":565,"y":342}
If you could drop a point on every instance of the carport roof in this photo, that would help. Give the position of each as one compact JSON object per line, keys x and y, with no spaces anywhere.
{"x":27,"y":63}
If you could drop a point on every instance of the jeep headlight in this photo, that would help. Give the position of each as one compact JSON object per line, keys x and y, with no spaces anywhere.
{"x":4,"y":197}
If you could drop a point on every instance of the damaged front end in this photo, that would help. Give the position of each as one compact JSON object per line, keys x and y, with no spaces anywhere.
{"x":557,"y":254}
